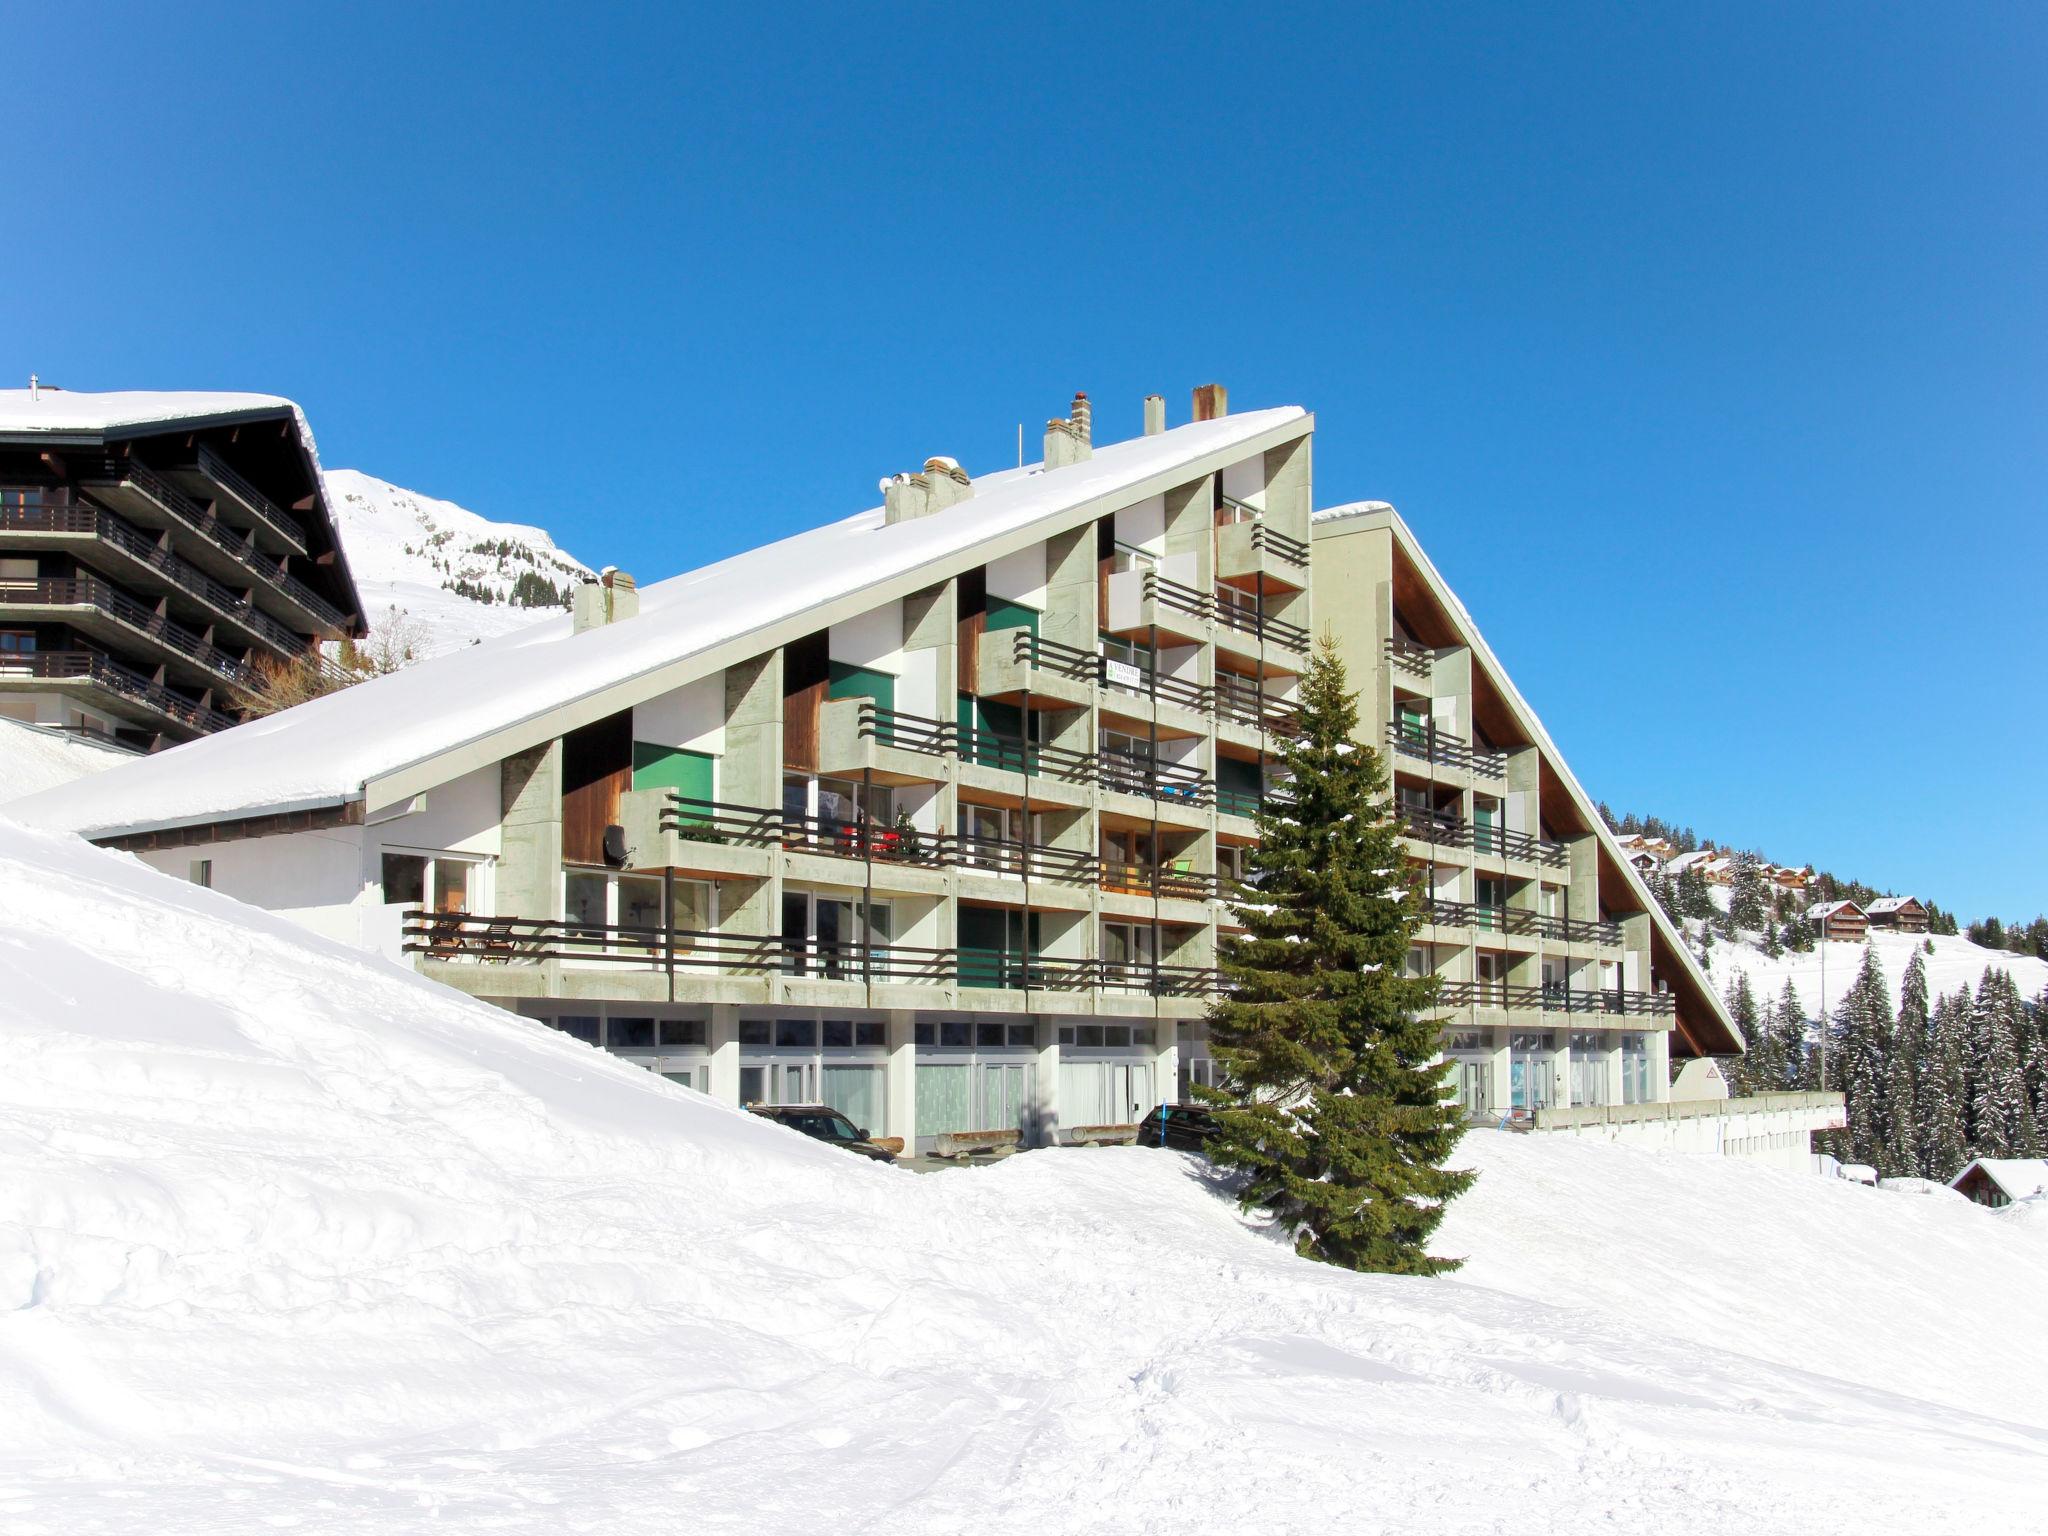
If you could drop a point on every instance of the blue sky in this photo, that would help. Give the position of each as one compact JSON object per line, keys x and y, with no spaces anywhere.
{"x":1704,"y":353}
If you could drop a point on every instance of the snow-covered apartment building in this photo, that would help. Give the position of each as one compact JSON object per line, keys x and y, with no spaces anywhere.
{"x":153,"y":547}
{"x":928,"y":813}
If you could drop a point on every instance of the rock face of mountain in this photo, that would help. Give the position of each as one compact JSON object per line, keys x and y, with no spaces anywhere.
{"x":438,"y":575}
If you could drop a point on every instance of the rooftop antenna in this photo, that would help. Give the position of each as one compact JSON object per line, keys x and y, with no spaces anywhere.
{"x":35,"y":393}
{"x":1020,"y":445}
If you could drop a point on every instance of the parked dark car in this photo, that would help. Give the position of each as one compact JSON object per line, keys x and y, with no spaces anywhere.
{"x":1184,"y":1127}
{"x":822,"y":1123}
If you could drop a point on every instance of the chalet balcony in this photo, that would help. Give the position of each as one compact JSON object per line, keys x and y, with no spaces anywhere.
{"x":213,"y":477}
{"x":469,"y":939}
{"x":104,"y":539}
{"x":117,"y":620}
{"x":1432,"y":744}
{"x":1490,"y":919}
{"x":1617,"y":1003}
{"x":109,"y":685}
{"x":211,"y":543}
{"x":1165,"y":782}
{"x":1032,"y":660}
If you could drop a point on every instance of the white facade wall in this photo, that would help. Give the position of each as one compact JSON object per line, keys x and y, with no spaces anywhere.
{"x":1019,"y":578}
{"x":690,"y":718}
{"x":875,"y":638}
{"x":313,"y":878}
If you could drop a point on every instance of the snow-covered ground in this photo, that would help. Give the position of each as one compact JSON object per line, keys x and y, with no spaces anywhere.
{"x":404,"y":548}
{"x":1956,"y":962}
{"x":34,"y":758}
{"x":290,"y":1237}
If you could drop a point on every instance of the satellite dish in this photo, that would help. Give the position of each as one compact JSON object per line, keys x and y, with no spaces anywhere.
{"x":615,"y":850}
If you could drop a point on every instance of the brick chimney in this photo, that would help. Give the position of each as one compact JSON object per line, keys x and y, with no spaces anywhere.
{"x":1212,"y":402}
{"x":1155,"y":415}
{"x":1072,"y":440}
{"x":940,"y":484}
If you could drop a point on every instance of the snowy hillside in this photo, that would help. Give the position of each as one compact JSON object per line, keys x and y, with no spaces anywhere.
{"x":33,"y":758}
{"x":411,"y":552}
{"x":1955,"y":962}
{"x":292,"y":1237}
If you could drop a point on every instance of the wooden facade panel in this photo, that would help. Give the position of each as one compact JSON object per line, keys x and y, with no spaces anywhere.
{"x":800,"y":714}
{"x":597,"y":768}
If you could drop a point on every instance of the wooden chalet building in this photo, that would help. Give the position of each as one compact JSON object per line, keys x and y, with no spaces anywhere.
{"x":1840,"y":920}
{"x":1899,"y":914}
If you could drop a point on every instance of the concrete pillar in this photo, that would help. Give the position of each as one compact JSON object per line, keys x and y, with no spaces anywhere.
{"x":750,"y":773}
{"x":529,"y":872}
{"x":722,"y":1038}
{"x":901,"y":1097}
{"x":1048,"y":1080}
{"x":1503,"y":1073}
{"x":1165,"y":1062}
{"x":1660,"y":1065}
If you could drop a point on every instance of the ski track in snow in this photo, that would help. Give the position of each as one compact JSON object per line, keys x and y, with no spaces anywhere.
{"x":291,"y":1238}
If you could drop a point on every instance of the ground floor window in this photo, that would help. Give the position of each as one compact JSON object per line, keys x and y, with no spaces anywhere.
{"x":988,"y":1086}
{"x":453,"y":881}
{"x":1472,"y":1075}
{"x":1529,"y":1070}
{"x":1589,"y":1069}
{"x":1106,"y":1092}
{"x":1635,"y":1069}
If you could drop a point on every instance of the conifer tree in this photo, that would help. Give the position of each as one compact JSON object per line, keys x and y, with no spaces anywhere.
{"x":1793,"y":1048}
{"x":2002,"y":1120}
{"x":1863,"y":1026}
{"x":1333,"y":1103}
{"x":1751,"y":1071}
{"x":1943,"y":1092}
{"x":1749,"y":894}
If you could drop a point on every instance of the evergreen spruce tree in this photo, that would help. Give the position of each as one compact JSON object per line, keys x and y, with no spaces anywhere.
{"x":1751,"y":1071}
{"x":1794,"y":1049}
{"x":1749,"y":894}
{"x":2001,"y":1118}
{"x":1863,"y":1027}
{"x":1944,"y":1092}
{"x":1333,"y":1105}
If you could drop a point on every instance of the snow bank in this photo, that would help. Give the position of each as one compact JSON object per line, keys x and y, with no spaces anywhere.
{"x":289,"y":1236}
{"x":33,"y":758}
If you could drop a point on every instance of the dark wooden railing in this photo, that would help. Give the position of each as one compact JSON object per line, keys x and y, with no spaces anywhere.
{"x":1410,"y":657}
{"x":1490,"y":919}
{"x":986,"y":749}
{"x":1444,"y":830}
{"x":1229,"y":698}
{"x":466,"y":936}
{"x":61,"y":666}
{"x":1285,"y":547}
{"x":96,"y":522}
{"x":1497,"y":994}
{"x":88,"y":592}
{"x":258,"y":505}
{"x":1440,"y":746}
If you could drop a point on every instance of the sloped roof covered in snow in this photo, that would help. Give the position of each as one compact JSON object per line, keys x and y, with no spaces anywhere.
{"x":1888,"y":904}
{"x":393,"y":737}
{"x":2017,"y":1178}
{"x":1821,"y":909}
{"x":50,"y":412}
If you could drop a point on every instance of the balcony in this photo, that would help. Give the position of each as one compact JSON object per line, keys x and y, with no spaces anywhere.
{"x":1488,"y":919}
{"x":271,"y":524}
{"x":1426,"y":741}
{"x":145,"y":564}
{"x":1168,"y":783}
{"x":467,"y":939}
{"x":1570,"y":1000}
{"x":1251,"y":554}
{"x":115,"y":619}
{"x":113,"y":686}
{"x":213,"y":544}
{"x":1440,"y":829}
{"x":1406,"y":656}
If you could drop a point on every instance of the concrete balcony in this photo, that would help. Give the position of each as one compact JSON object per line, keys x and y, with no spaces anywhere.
{"x":1258,"y":558}
{"x":110,"y":688}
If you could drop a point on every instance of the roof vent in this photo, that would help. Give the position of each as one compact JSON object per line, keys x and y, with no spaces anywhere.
{"x":1212,"y":402}
{"x":1155,"y":415}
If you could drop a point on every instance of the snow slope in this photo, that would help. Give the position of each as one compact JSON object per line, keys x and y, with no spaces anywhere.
{"x":290,"y":1237}
{"x":34,"y":758}
{"x":406,"y":549}
{"x":1956,"y":962}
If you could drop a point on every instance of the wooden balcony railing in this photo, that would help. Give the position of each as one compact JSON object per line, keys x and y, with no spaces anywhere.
{"x":89,"y":666}
{"x":1156,"y":780}
{"x":1228,"y":699}
{"x":1499,"y":994}
{"x":1440,"y":746}
{"x":1491,"y":919}
{"x":1444,"y":830}
{"x":467,"y":937}
{"x":1410,"y":657}
{"x":87,"y":592}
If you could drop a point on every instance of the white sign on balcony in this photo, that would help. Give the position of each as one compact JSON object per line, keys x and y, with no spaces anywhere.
{"x":1121,"y":674}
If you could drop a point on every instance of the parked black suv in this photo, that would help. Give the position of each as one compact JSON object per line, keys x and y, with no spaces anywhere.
{"x":823,"y":1123}
{"x":1184,"y":1127}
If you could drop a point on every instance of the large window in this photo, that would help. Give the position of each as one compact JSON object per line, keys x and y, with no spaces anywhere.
{"x":1589,"y":1068}
{"x":1635,"y":1069}
{"x":455,"y":881}
{"x":802,"y":1059}
{"x":834,"y":937}
{"x":623,"y":913}
{"x":1530,"y":1070}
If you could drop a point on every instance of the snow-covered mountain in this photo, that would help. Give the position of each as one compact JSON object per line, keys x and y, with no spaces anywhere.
{"x":291,"y":1232}
{"x":450,"y":575}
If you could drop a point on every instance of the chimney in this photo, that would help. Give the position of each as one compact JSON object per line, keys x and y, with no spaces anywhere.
{"x":1212,"y":402}
{"x":1155,"y":415}
{"x":939,"y":485}
{"x":604,"y":599}
{"x":1070,"y":441}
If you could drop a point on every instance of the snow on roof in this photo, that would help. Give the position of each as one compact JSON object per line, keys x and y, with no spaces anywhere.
{"x":80,"y":411}
{"x":2017,"y":1178}
{"x":1679,"y":863}
{"x":39,"y":757}
{"x":326,"y":751}
{"x":1830,"y":908}
{"x":1891,"y":904}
